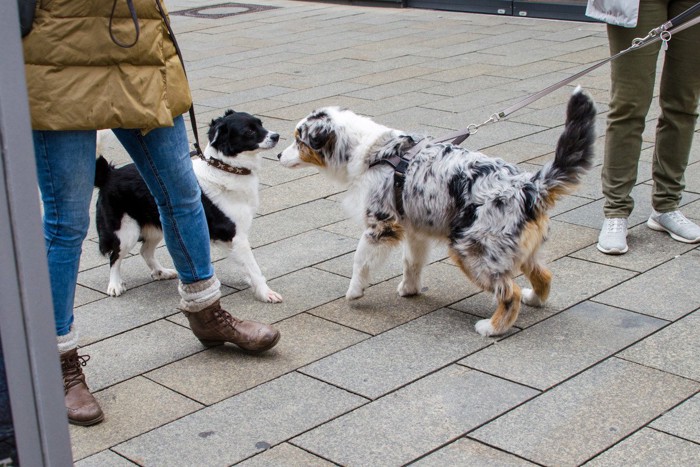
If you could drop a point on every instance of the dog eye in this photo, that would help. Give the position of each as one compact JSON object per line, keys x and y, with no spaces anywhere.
{"x":250,"y":133}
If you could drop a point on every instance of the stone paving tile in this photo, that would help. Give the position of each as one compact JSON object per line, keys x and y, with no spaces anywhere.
{"x":289,"y":255}
{"x":692,"y":177}
{"x":674,"y":349}
{"x":104,"y":459}
{"x":649,"y":447}
{"x":84,"y":295}
{"x":392,"y":267}
{"x":301,"y":291}
{"x":132,"y":407}
{"x":114,"y":315}
{"x":565,"y":239}
{"x":241,"y":426}
{"x":287,"y":455}
{"x":557,"y":348}
{"x":517,"y":151}
{"x":304,"y":339}
{"x":293,"y":221}
{"x":568,"y":203}
{"x":90,"y":257}
{"x":382,"y":308}
{"x":296,"y":192}
{"x":134,"y":272}
{"x":647,"y":249}
{"x":466,"y":452}
{"x":587,"y":414}
{"x":273,"y":173}
{"x":574,"y":281}
{"x":670,"y":289}
{"x":682,"y":421}
{"x":438,"y":408}
{"x":422,"y":346}
{"x":137,"y":351}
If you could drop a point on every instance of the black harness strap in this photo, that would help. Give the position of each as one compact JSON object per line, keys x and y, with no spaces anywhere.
{"x":400,"y":164}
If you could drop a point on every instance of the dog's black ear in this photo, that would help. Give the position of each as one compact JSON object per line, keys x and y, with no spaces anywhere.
{"x":215,"y":131}
{"x":319,"y":135}
{"x":229,"y":112}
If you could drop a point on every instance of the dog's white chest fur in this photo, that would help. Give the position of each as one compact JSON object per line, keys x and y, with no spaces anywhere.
{"x":235,"y":195}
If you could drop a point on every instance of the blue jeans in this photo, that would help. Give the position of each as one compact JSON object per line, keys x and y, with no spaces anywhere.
{"x":66,"y":171}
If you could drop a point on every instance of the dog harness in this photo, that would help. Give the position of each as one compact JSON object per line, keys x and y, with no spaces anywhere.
{"x":400,"y":164}
{"x":221,"y":165}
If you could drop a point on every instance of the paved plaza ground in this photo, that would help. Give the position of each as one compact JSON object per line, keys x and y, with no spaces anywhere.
{"x":606,"y":374}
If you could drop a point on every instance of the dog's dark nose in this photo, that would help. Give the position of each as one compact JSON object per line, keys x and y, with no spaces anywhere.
{"x":275,"y":137}
{"x":279,"y":156}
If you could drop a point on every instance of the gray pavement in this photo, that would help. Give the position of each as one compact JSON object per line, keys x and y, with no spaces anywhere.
{"x":606,"y":374}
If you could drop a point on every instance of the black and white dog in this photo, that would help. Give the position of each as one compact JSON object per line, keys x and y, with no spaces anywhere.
{"x":491,"y":213}
{"x":127,"y":213}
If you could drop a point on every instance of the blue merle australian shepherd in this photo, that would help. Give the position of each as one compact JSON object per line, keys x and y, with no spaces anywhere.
{"x":492,"y":214}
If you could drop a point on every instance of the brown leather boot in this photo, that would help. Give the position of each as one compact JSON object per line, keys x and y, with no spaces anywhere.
{"x":82,"y":407}
{"x":214,"y":326}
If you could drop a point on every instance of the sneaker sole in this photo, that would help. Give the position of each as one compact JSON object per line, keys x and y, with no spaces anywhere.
{"x":653,"y":225}
{"x":612,"y":251}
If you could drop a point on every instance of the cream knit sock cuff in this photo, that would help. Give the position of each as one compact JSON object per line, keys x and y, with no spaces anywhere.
{"x":68,"y":342}
{"x":199,"y":295}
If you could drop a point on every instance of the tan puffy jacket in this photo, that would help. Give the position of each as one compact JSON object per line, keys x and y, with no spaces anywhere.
{"x":79,"y":79}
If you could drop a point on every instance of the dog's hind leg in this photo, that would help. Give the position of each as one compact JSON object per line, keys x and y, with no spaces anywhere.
{"x":151,"y":238}
{"x":509,"y":295}
{"x":128,"y":235}
{"x":541,"y":279}
{"x":242,"y":253}
{"x":415,"y":255}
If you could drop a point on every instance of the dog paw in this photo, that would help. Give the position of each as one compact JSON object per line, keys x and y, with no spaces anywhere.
{"x":406,"y":290}
{"x":115,"y":290}
{"x":529,"y":297}
{"x":485,"y":328}
{"x":269,"y":296}
{"x":163,"y":274}
{"x":354,"y":293}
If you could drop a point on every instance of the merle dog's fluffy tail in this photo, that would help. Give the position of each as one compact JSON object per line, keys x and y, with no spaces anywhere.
{"x":574,"y":154}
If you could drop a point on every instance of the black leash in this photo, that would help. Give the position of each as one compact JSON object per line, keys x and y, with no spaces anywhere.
{"x":193,"y":121}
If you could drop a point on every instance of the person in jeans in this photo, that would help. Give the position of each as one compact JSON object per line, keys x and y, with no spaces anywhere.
{"x":632,"y":78}
{"x":83,"y":75}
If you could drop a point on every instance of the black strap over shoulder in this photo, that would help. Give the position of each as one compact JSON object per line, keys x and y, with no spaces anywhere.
{"x":26,"y":15}
{"x":134,"y":19}
{"x":193,"y":121}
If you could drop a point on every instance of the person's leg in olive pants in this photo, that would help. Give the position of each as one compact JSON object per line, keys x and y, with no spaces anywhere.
{"x":679,"y":95}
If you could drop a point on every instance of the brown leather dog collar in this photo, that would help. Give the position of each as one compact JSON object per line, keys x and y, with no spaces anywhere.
{"x":221,"y":165}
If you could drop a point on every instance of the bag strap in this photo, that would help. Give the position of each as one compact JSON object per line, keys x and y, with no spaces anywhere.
{"x":134,"y":19}
{"x":193,"y":121}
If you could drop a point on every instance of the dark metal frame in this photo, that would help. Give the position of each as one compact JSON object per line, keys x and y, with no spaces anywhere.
{"x":506,"y":8}
{"x":26,"y":317}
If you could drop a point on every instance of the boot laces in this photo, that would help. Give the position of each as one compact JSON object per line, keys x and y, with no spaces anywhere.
{"x":615,"y":225}
{"x":72,"y":371}
{"x":225,"y":318}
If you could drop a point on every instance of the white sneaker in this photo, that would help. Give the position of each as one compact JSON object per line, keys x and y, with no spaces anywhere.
{"x":676,"y":224}
{"x":613,"y":236}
